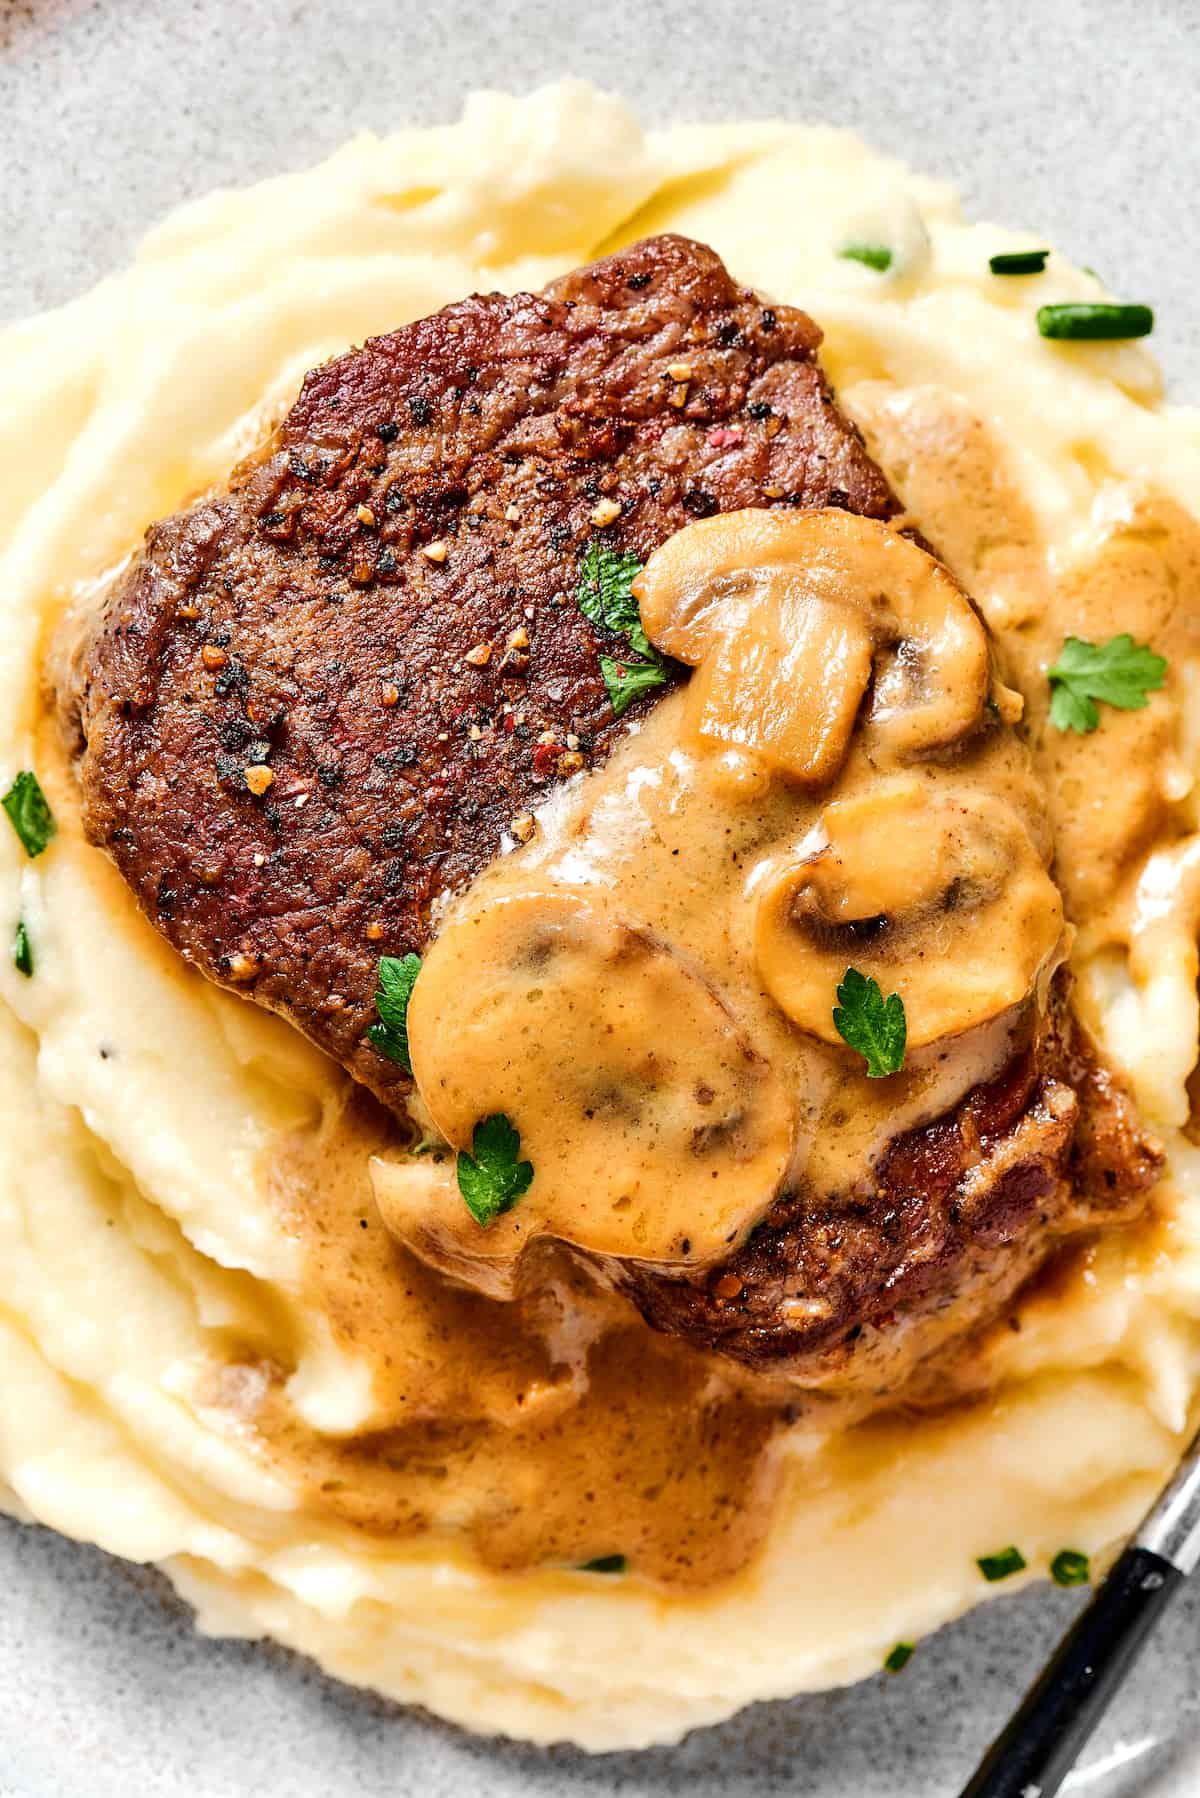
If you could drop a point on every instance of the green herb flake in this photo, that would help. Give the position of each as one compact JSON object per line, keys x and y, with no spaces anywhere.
{"x":1118,"y":673}
{"x":1094,"y":321}
{"x":899,"y":1658}
{"x":491,"y":1179}
{"x":626,"y":680}
{"x":397,"y":977}
{"x":604,"y":1564}
{"x":1019,"y":262}
{"x":871,"y":255}
{"x":605,"y":593}
{"x":605,"y":597}
{"x":29,"y":814}
{"x":1002,"y":1564}
{"x":872,"y":1025}
{"x":23,"y":951}
{"x":1070,"y":1568}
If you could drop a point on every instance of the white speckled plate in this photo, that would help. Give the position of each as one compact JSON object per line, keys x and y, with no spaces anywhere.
{"x":1076,"y":118}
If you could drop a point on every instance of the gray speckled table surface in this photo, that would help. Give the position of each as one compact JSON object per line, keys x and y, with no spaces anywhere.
{"x":1075,"y":118}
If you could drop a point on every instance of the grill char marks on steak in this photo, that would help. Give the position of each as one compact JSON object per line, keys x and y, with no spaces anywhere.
{"x":938,"y":1236}
{"x":303,"y":621}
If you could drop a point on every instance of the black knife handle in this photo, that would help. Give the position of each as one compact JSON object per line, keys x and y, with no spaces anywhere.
{"x":1037,"y":1749}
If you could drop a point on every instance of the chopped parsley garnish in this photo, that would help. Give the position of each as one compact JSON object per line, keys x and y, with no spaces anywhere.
{"x":1001,"y":1565}
{"x":1094,"y":321}
{"x":29,"y":814}
{"x":23,"y":951}
{"x":1070,"y":1568}
{"x":397,"y":977}
{"x":871,"y":255}
{"x":604,"y":1564}
{"x":1119,"y":673}
{"x":605,"y":593}
{"x":874,"y":1026}
{"x":1019,"y":262}
{"x":491,"y":1180}
{"x":605,"y":596}
{"x":899,"y":1658}
{"x":625,"y":680}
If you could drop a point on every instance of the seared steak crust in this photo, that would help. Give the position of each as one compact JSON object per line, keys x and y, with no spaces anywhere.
{"x":955,"y":1216}
{"x":380,"y":610}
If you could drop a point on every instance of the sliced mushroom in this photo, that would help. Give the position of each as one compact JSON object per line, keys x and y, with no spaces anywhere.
{"x":655,"y":1130}
{"x":787,"y":615}
{"x":941,"y":895}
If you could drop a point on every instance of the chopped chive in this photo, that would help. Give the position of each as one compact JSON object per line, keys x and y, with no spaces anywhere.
{"x":29,"y":814}
{"x":1070,"y":1568}
{"x":1094,"y":321}
{"x":1018,"y":262}
{"x":871,"y":255}
{"x":1000,"y":1565}
{"x":604,"y":1564}
{"x":899,"y":1658}
{"x":23,"y":951}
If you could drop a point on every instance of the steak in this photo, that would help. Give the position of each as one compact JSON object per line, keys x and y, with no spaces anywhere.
{"x":855,"y":1292}
{"x":377,"y":616}
{"x":328,"y":694}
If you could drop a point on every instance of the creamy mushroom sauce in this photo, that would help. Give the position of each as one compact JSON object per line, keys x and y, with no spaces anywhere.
{"x":516,"y":1422}
{"x":1122,"y":800}
{"x":627,"y":988}
{"x":682,"y":841}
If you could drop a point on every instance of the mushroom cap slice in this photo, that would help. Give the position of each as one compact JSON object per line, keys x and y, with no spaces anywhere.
{"x":791,"y":618}
{"x":655,"y":1130}
{"x":940,"y":894}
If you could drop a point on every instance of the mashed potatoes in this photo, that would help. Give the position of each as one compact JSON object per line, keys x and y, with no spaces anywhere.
{"x":151,"y":1279}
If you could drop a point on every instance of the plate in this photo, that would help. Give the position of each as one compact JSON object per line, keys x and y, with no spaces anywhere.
{"x":110,"y":114}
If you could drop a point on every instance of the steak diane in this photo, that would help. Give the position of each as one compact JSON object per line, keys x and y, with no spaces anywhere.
{"x":330,"y":693}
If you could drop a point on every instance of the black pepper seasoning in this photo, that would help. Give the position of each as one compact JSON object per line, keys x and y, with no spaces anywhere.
{"x":699,"y":503}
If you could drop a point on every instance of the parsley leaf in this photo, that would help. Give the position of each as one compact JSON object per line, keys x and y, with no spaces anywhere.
{"x":871,"y":255}
{"x":605,"y":597}
{"x":605,"y":592}
{"x":397,"y":977}
{"x":625,"y":680}
{"x":604,"y":1564}
{"x":29,"y":814}
{"x":491,"y":1180}
{"x":899,"y":1658}
{"x":1001,"y":1565}
{"x":1070,"y":1568}
{"x":1119,"y":673}
{"x":22,"y":951}
{"x":873,"y":1025}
